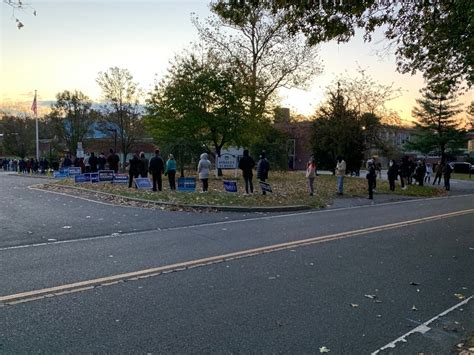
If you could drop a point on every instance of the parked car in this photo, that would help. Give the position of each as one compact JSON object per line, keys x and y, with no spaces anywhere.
{"x":462,"y":167}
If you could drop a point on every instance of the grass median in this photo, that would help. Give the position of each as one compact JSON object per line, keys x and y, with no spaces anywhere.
{"x":289,"y":189}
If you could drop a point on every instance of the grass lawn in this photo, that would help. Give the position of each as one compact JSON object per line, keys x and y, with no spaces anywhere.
{"x":289,"y":188}
{"x":459,"y":176}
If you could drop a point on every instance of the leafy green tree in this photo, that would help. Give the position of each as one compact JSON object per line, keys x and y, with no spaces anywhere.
{"x":123,"y":119}
{"x":437,"y":127}
{"x":257,"y":43}
{"x":273,"y":142}
{"x":72,"y":118}
{"x":434,"y":37}
{"x":21,"y":5}
{"x":199,"y":100}
{"x":18,"y":136}
{"x":337,"y":130}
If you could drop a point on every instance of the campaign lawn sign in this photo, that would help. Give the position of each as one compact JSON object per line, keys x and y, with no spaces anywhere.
{"x":61,"y":174}
{"x":78,"y":179}
{"x":142,"y":183}
{"x":106,"y":175}
{"x":74,"y":170}
{"x":186,"y":184}
{"x":92,"y":177}
{"x":120,"y":179}
{"x":265,"y":186}
{"x":230,"y":185}
{"x":227,"y":161}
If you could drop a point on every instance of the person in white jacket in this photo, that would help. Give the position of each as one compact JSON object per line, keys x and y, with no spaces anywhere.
{"x":204,"y":167}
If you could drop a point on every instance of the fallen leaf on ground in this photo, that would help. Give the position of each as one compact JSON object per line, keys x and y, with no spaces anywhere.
{"x":67,"y":227}
{"x":460,"y":296}
{"x":414,"y":308}
{"x":414,"y":283}
{"x":372,"y":297}
{"x":354,"y":305}
{"x":323,"y":349}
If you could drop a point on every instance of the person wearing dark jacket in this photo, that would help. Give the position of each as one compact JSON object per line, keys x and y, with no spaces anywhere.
{"x":101,"y":161}
{"x":113,"y":160}
{"x":133,"y":169}
{"x":404,"y":172}
{"x":392,"y":174}
{"x":143,"y":165}
{"x":447,"y":170}
{"x":263,"y":166}
{"x":157,"y":166}
{"x":246,"y":164}
{"x":93,"y":162}
{"x":371,"y":176}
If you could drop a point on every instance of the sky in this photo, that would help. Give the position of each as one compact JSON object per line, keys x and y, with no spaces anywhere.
{"x":70,"y":41}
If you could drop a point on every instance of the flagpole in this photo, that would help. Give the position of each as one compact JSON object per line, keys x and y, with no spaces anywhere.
{"x":37,"y":133}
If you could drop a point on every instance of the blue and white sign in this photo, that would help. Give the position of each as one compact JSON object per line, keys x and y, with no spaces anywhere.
{"x":230,"y":185}
{"x":78,"y":179}
{"x":142,"y":183}
{"x":227,"y":161}
{"x":120,"y":179}
{"x":265,"y":186}
{"x":74,"y":170}
{"x":92,"y":177}
{"x":106,"y":175}
{"x":60,"y":174}
{"x":186,"y":184}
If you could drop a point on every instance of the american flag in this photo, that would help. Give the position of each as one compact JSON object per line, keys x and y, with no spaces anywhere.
{"x":34,"y":106}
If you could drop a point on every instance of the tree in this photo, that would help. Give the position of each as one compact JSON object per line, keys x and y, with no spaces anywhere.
{"x":19,"y":5}
{"x":257,"y":42}
{"x":434,"y":37}
{"x":123,"y":117}
{"x":337,"y":130}
{"x":437,"y":128}
{"x":18,"y":136}
{"x":72,"y":118}
{"x":199,"y":101}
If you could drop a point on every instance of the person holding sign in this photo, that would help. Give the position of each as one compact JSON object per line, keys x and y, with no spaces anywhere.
{"x":246,"y":164}
{"x":157,"y":166}
{"x":263,"y":166}
{"x":204,"y":167}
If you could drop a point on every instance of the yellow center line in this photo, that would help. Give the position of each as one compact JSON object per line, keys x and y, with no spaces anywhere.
{"x":135,"y":275}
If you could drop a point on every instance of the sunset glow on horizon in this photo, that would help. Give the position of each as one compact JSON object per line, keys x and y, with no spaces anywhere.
{"x":69,"y":42}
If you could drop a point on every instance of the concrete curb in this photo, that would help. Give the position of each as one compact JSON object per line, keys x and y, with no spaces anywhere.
{"x":207,"y":207}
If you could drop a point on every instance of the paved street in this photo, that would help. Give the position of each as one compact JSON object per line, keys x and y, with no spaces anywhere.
{"x":78,"y":276}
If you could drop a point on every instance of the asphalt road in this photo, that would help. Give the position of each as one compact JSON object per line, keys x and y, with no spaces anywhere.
{"x":296,"y":298}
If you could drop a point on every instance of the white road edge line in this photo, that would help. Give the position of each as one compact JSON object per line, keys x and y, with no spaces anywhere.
{"x":128,"y":234}
{"x":422,"y":328}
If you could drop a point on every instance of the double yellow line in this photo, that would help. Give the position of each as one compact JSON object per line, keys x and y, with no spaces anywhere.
{"x":140,"y":274}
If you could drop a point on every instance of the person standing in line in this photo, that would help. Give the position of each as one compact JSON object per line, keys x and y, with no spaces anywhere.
{"x":340,"y":173}
{"x":93,"y":161}
{"x":439,"y":173}
{"x":171,"y":171}
{"x":392,"y":174}
{"x":371,"y":176}
{"x":420,"y":172}
{"x":404,"y":172}
{"x":133,"y":169}
{"x":157,"y":166}
{"x":246,"y":164}
{"x":204,"y":167}
{"x":263,"y":167}
{"x":113,"y":161}
{"x":310,"y":175}
{"x":101,"y":161}
{"x":143,"y":165}
{"x":429,"y":172}
{"x":447,"y":170}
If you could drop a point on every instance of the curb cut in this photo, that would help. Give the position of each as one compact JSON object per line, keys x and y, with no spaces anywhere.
{"x":208,"y":207}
